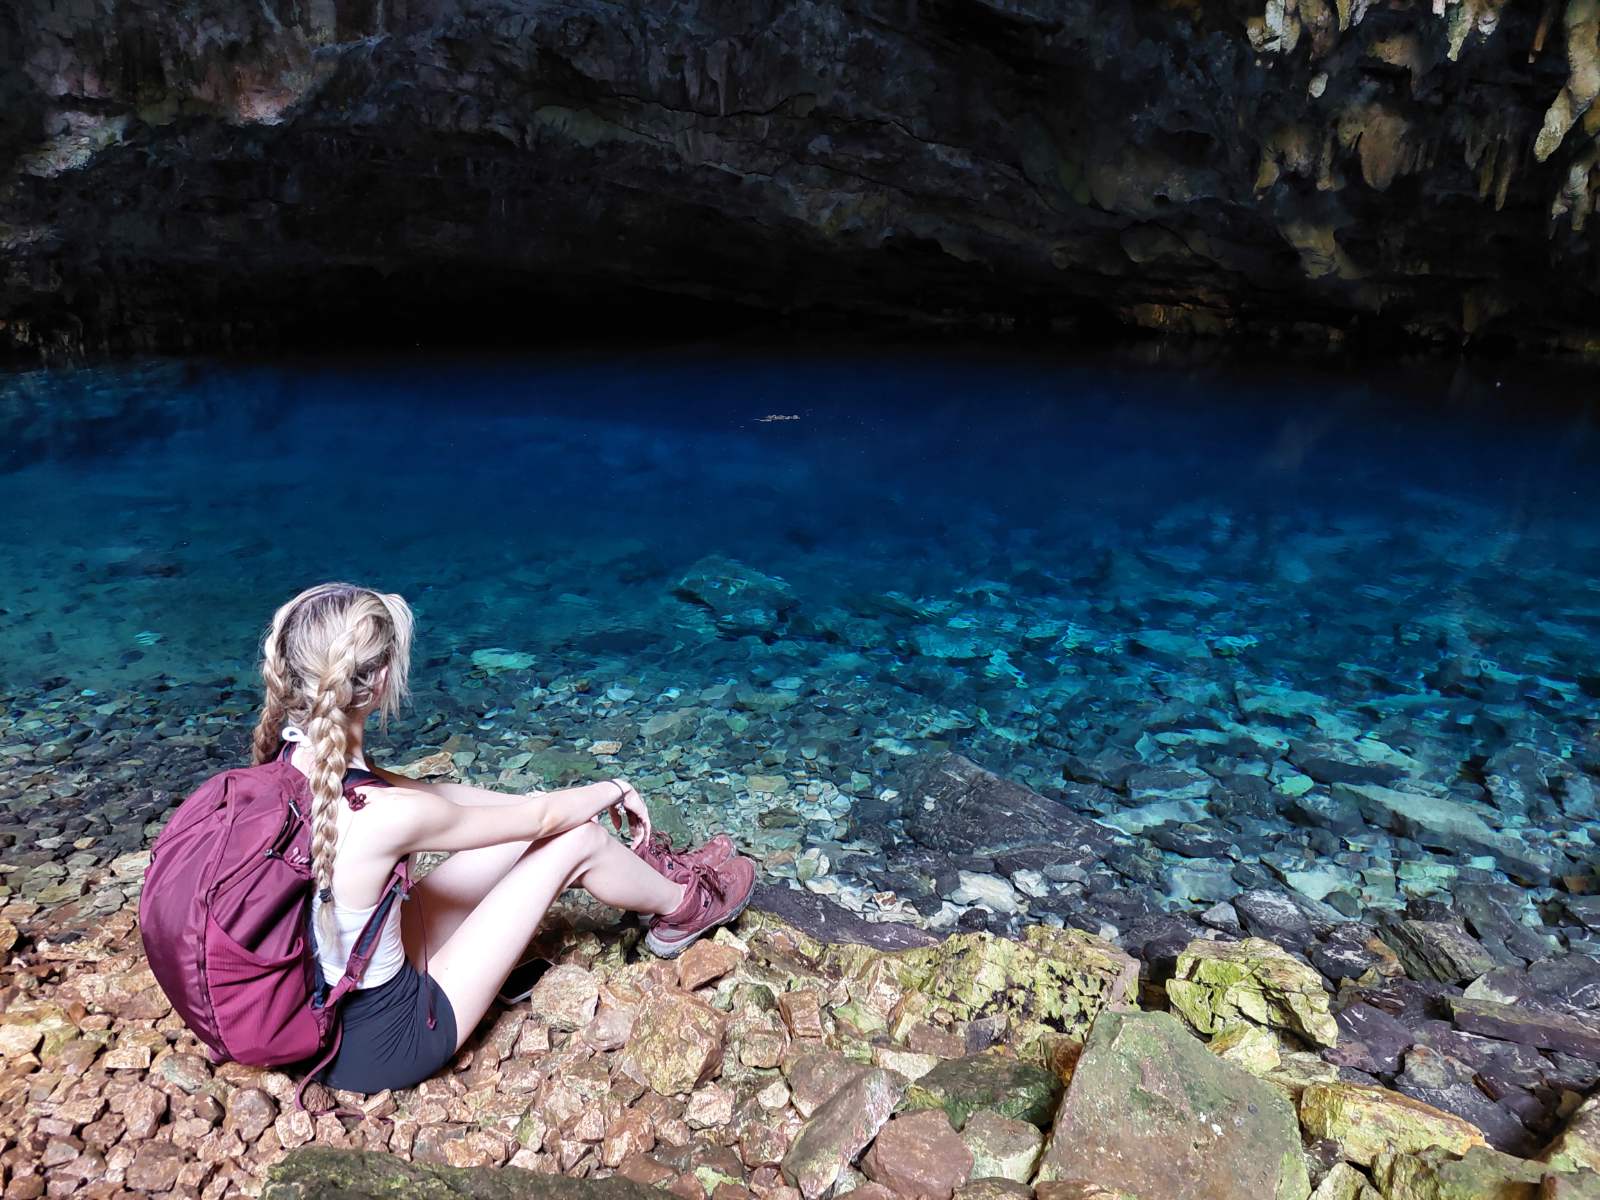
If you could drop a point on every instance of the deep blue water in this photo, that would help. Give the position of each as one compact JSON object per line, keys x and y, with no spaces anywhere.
{"x":520,"y":481}
{"x":1076,"y":553}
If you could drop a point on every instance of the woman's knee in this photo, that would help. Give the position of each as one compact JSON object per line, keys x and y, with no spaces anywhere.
{"x":578,"y":845}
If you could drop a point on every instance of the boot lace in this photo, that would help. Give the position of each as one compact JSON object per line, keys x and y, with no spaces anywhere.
{"x":706,"y":881}
{"x":661,"y":848}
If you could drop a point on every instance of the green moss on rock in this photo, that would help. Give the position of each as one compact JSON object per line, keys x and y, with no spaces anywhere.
{"x":1364,"y":1122}
{"x":1053,"y":982}
{"x":1150,"y":1112}
{"x":1221,"y":984}
{"x":1479,"y":1174}
{"x":322,"y":1173}
{"x":993,"y":1082}
{"x":1578,"y":1146}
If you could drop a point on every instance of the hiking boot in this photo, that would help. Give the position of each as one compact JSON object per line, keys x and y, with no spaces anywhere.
{"x":712,"y":896}
{"x":674,"y":864}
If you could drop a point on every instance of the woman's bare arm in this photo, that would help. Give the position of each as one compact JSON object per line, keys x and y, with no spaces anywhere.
{"x":467,"y":794}
{"x":421,"y":819}
{"x":456,"y":793}
{"x":617,"y":796}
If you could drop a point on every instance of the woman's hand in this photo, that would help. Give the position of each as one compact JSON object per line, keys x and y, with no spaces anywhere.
{"x":633,"y":804}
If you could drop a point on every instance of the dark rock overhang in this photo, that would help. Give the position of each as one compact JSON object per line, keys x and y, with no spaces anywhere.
{"x":210,"y":175}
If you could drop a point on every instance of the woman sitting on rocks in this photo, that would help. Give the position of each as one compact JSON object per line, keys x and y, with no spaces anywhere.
{"x":336,"y":654}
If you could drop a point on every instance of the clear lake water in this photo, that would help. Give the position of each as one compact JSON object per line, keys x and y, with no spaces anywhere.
{"x":781,"y":583}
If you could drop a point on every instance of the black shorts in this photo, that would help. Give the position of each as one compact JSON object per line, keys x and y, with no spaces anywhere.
{"x":386,"y":1041}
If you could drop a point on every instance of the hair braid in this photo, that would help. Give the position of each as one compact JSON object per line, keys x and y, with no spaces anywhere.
{"x":322,"y":661}
{"x":280,"y":690}
{"x":329,"y":734}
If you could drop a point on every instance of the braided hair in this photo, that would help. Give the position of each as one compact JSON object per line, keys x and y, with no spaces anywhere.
{"x":323,"y":661}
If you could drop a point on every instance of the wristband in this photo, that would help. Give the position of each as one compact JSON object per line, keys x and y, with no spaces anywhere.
{"x":622,"y":793}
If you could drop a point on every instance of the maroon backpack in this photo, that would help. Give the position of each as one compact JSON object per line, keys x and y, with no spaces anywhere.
{"x":225,"y":917}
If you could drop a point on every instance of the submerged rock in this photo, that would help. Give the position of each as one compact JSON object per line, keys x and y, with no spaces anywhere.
{"x":1151,"y":1113}
{"x":495,"y":659}
{"x":1449,"y":825}
{"x":740,"y":599}
{"x":957,"y":807}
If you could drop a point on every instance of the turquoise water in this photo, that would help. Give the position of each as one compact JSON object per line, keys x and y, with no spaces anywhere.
{"x":1063,"y":571}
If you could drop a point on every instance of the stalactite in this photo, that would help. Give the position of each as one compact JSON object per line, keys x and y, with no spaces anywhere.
{"x":1352,"y":12}
{"x":1539,"y":35}
{"x":1583,"y":76}
{"x":1577,"y":197}
{"x":1508,"y":168}
{"x":1278,"y":29}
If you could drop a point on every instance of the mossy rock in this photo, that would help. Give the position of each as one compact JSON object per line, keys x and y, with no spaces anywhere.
{"x":1479,"y":1174}
{"x":1221,"y":984}
{"x":1152,"y":1113}
{"x":1053,"y":982}
{"x":992,"y":1082}
{"x":1578,"y":1146}
{"x":1365,"y":1122}
{"x":1250,"y":1047}
{"x":1049,"y":987}
{"x":554,"y":765}
{"x":322,"y":1173}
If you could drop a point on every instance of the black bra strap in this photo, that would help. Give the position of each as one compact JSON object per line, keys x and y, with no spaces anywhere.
{"x":359,"y":776}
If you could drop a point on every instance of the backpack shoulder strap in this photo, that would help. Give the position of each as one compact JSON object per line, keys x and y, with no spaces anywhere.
{"x":399,"y":885}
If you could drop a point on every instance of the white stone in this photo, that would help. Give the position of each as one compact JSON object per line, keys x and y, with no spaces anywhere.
{"x":1030,"y":883}
{"x":988,"y":890}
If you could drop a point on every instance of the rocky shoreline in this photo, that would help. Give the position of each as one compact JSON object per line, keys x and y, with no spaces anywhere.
{"x":1399,"y":1063}
{"x":1443,"y":1050}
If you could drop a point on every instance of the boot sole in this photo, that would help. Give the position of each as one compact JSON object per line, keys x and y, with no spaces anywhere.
{"x":672,"y":949}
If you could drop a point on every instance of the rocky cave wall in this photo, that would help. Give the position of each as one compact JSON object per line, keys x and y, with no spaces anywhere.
{"x":204,"y":173}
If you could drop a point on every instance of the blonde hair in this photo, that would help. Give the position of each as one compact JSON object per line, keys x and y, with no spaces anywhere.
{"x":320,"y":660}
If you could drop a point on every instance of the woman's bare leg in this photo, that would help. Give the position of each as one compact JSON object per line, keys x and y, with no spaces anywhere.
{"x":443,"y":898}
{"x":474,"y":960}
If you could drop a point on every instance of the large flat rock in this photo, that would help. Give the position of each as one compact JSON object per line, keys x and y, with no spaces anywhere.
{"x":1151,"y":1112}
{"x":955,"y":806}
{"x":322,"y":1173}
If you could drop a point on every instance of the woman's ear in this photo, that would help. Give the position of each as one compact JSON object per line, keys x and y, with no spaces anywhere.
{"x":380,"y":685}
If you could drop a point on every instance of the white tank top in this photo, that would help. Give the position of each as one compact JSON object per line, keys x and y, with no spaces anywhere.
{"x":390,"y":953}
{"x":387,"y":958}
